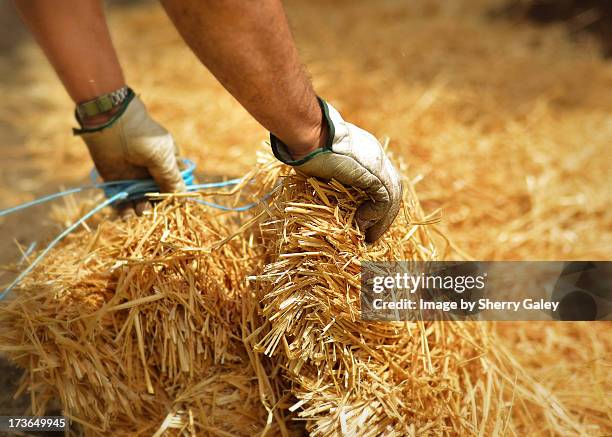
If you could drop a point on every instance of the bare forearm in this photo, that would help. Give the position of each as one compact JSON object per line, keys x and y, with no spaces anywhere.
{"x":75,"y":38}
{"x":248,"y":46}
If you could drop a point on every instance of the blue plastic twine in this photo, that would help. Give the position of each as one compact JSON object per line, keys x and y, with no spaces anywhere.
{"x":116,"y":191}
{"x":68,"y":230}
{"x":146,"y":185}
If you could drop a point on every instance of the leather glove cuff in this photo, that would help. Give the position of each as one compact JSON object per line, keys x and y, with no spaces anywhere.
{"x":281,"y":151}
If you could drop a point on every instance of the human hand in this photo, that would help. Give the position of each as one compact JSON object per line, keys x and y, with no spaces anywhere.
{"x":353,"y":157}
{"x":131,"y":145}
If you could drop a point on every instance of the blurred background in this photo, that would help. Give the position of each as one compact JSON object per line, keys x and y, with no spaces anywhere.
{"x":500,"y":110}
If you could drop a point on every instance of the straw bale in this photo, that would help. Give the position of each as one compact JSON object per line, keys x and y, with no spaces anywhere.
{"x":150,"y":326}
{"x":363,"y":378}
{"x":140,"y":319}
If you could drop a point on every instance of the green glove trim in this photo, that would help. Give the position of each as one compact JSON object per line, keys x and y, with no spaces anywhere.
{"x":281,"y":151}
{"x":110,"y":122}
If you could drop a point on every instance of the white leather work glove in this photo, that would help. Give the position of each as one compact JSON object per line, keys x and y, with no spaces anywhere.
{"x":131,"y":145}
{"x":353,"y":157}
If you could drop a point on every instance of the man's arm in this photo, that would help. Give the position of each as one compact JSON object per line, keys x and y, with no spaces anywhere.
{"x":124,"y":141}
{"x":75,"y":38}
{"x":247,"y":45}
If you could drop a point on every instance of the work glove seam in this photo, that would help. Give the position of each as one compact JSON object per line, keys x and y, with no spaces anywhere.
{"x":351,"y":147}
{"x":123,"y":141}
{"x":349,"y":135}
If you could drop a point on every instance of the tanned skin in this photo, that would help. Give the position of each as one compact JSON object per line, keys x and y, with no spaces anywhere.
{"x":246,"y":44}
{"x":74,"y":36}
